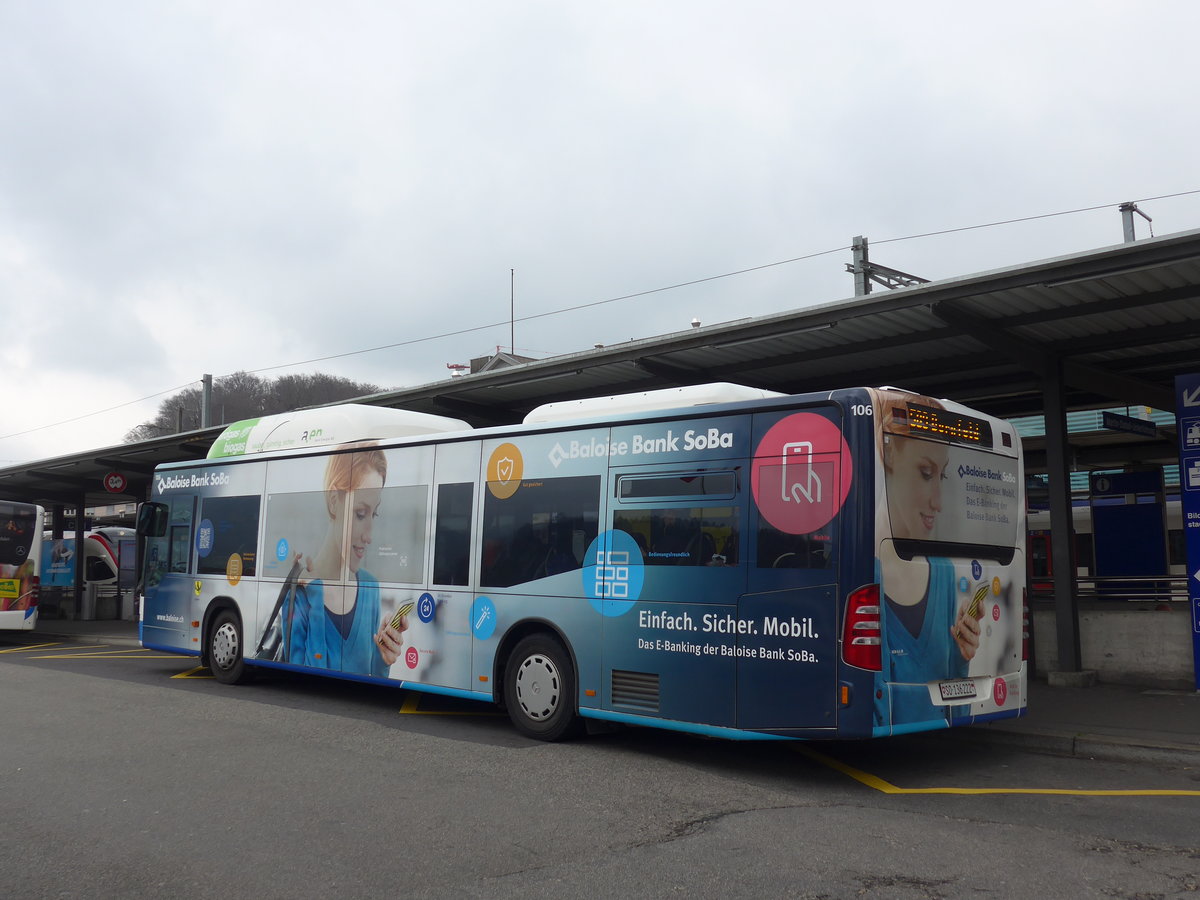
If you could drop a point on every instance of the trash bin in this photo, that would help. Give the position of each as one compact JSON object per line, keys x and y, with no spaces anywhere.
{"x":88,"y":612}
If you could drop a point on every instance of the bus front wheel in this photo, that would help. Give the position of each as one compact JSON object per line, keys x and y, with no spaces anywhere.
{"x":225,"y":659}
{"x":539,"y":689}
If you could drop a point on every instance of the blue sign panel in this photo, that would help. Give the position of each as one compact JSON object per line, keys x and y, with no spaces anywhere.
{"x":1187,"y":413}
{"x":1148,"y":481}
{"x":1118,"y":422}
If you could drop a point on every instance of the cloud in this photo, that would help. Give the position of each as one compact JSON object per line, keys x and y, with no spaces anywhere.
{"x":200,"y":187}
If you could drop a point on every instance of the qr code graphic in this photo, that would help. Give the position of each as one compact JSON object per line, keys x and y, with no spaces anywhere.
{"x":612,"y":574}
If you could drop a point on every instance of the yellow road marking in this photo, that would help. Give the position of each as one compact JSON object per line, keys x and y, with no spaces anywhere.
{"x":31,"y":647}
{"x":413,"y":700}
{"x":105,"y":654}
{"x":877,"y":783}
{"x":190,"y":673}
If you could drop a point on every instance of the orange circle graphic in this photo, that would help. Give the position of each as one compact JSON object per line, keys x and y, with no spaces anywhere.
{"x":505,"y":469}
{"x":233,"y":569}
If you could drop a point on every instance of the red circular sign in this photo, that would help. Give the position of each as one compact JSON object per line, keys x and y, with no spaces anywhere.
{"x":115,"y":483}
{"x":801,"y":473}
{"x":411,"y":657}
{"x":999,"y":691}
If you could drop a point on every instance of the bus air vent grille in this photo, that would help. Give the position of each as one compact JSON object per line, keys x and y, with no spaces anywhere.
{"x":635,"y":690}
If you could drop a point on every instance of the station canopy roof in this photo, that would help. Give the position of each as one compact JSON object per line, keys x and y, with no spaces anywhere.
{"x":1119,"y":323}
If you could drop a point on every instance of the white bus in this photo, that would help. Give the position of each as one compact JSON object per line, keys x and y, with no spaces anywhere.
{"x":20,"y":555}
{"x":716,"y":559}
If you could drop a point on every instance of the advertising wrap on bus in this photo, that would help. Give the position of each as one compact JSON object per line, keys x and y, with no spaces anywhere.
{"x":949,"y":525}
{"x":702,"y":569}
{"x":20,"y":559}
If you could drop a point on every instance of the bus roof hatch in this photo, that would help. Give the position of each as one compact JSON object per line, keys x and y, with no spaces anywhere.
{"x":326,"y":425}
{"x":643,"y":401}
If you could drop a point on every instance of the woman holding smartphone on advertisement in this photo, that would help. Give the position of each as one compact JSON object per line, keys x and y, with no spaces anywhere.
{"x":927,"y":634}
{"x":336,"y":621}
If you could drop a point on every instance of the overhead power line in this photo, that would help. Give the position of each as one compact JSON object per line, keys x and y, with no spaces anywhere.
{"x":569,"y":309}
{"x":98,"y":412}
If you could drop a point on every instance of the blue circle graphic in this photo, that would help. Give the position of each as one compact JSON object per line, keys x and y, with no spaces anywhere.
{"x":976,"y":569}
{"x":483,"y":618}
{"x":613,"y":573}
{"x":281,"y":550}
{"x":426,"y":607}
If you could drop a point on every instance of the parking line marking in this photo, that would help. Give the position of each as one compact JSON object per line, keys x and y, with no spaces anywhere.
{"x":412,"y":703}
{"x":31,"y":647}
{"x":190,"y":673}
{"x":885,"y":787}
{"x":105,"y":654}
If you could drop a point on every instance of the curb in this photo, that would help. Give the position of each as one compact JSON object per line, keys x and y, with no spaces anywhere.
{"x":1079,"y":745}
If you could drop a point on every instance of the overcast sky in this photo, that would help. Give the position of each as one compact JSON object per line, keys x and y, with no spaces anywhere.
{"x":208,"y":187}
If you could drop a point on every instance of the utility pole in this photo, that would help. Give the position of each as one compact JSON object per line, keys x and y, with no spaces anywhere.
{"x":865,"y":271}
{"x":206,"y":401}
{"x":1127,"y":211}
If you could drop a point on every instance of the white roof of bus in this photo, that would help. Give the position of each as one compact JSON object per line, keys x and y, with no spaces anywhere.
{"x":643,"y":401}
{"x":327,"y":425}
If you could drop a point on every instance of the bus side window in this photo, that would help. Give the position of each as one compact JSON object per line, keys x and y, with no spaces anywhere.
{"x":229,"y":527}
{"x":780,"y":550}
{"x":540,"y":530}
{"x":683,"y":536}
{"x":181,"y":545}
{"x":452,"y":534}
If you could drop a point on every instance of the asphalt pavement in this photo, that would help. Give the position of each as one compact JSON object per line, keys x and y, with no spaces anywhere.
{"x":1102,"y":721}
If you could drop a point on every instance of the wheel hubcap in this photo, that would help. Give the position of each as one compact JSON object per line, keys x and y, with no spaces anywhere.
{"x":225,"y":646}
{"x":538,"y":687}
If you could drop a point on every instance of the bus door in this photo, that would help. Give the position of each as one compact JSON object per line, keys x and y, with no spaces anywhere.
{"x":678,"y":531}
{"x":439,"y":628}
{"x":787,"y":662}
{"x":168,"y":584}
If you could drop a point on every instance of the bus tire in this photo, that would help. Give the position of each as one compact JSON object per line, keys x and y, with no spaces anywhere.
{"x":225,"y":658}
{"x":539,"y":689}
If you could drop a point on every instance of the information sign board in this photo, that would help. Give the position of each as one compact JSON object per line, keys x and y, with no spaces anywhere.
{"x":1187,"y":413}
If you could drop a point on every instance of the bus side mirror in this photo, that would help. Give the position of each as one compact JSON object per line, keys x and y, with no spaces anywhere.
{"x":152,"y":519}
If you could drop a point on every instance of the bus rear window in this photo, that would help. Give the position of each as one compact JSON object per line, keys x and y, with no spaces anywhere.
{"x":939,"y":493}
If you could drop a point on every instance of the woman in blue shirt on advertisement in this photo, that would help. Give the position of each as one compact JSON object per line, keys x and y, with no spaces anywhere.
{"x":927,"y":635}
{"x":336,"y":620}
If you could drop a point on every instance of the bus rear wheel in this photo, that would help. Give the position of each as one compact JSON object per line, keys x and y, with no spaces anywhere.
{"x":225,"y":658}
{"x":539,"y":689}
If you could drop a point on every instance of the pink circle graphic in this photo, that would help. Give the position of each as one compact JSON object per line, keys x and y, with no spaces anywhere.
{"x":999,"y":691}
{"x":996,"y":612}
{"x":801,"y":473}
{"x":411,"y":657}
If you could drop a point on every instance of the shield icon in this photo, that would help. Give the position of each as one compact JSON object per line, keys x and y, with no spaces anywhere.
{"x":504,"y":468}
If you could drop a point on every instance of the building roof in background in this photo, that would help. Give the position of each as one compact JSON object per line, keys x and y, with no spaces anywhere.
{"x":1121,"y":322}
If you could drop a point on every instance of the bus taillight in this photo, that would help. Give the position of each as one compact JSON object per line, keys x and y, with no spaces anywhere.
{"x":861,"y":631}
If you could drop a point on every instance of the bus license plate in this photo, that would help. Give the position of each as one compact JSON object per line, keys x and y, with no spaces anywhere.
{"x":957,"y":690}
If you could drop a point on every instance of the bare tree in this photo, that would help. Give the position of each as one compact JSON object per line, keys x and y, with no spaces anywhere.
{"x":246,"y":396}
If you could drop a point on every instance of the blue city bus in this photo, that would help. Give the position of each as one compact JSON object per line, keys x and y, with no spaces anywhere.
{"x":714,"y":559}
